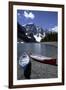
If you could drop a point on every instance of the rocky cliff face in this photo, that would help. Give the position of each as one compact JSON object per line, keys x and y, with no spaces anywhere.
{"x":21,"y":34}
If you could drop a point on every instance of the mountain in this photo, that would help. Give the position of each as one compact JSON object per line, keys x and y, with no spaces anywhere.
{"x":21,"y":34}
{"x":54,"y":29}
{"x":33,"y":33}
{"x":30,"y":32}
{"x":31,"y":28}
{"x":37,"y":31}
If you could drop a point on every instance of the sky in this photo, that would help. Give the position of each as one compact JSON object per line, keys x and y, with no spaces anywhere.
{"x":44,"y":19}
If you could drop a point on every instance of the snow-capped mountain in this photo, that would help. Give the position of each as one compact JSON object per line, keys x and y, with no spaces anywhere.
{"x":31,"y":28}
{"x":33,"y":33}
{"x":37,"y":31}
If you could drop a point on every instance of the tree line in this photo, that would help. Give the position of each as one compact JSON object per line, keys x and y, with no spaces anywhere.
{"x":52,"y":36}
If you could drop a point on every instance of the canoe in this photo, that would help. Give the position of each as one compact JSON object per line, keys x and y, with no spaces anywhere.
{"x":40,"y":57}
{"x":24,"y":60}
{"x":44,"y":59}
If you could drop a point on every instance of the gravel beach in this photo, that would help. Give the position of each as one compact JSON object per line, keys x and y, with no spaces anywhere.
{"x":38,"y":70}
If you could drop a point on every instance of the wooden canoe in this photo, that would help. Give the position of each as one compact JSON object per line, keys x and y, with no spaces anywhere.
{"x":44,"y":59}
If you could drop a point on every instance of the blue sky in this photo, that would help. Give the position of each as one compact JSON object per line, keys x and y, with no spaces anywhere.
{"x":44,"y":19}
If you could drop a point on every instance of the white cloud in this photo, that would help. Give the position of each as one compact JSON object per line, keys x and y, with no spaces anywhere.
{"x":25,"y":14}
{"x":29,"y":15}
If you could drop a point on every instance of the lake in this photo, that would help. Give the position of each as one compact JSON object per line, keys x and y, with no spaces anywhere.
{"x":37,"y":48}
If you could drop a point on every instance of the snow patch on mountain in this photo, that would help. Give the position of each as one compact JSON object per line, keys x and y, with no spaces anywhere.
{"x":38,"y":38}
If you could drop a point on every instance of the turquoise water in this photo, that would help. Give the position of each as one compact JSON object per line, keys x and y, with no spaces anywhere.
{"x":37,"y":48}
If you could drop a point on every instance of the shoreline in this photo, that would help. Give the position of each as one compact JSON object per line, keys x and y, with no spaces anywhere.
{"x":52,"y":43}
{"x":48,"y":43}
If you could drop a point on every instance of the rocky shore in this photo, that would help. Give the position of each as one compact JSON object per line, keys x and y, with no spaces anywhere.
{"x":38,"y":71}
